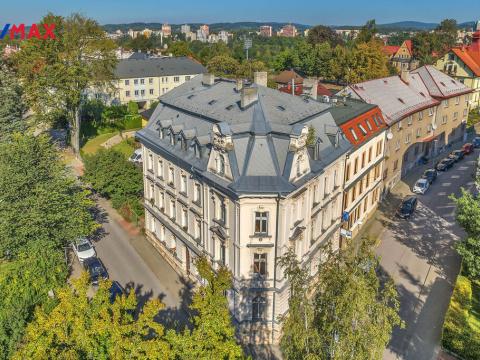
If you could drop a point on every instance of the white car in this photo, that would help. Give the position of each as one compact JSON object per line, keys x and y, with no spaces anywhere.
{"x":84,"y":249}
{"x":136,"y":157}
{"x":421,"y":186}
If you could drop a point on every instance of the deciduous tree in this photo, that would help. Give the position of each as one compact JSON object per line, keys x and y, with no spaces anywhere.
{"x":223,"y":65}
{"x":12,"y":107}
{"x":320,"y":34}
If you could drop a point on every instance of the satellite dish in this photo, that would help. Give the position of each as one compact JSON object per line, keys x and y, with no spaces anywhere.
{"x":389,"y":135}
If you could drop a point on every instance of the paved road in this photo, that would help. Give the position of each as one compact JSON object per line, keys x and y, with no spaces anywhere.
{"x":418,"y":255}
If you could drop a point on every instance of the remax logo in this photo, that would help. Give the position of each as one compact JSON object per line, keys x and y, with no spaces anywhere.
{"x":18,"y":30}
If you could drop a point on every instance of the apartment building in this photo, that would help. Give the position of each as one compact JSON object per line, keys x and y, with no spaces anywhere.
{"x":365,"y":128}
{"x":228,"y":174}
{"x":421,"y":119}
{"x":145,"y":79}
{"x":266,"y":30}
{"x":462,"y":63}
{"x":288,"y":30}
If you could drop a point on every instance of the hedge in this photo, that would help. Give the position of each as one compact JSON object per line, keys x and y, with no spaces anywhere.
{"x":459,"y":337}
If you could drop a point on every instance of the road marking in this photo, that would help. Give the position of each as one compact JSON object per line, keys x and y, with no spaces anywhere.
{"x":441,"y":193}
{"x":446,"y":184}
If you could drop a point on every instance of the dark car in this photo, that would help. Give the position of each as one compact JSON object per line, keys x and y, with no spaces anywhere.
{"x":467,"y":148}
{"x":456,"y":155}
{"x":407,"y":207}
{"x":476,"y":142}
{"x":445,"y":164}
{"x":115,"y":290}
{"x":95,"y":269}
{"x":430,"y":175}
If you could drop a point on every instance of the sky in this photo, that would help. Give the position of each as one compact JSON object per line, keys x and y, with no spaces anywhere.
{"x":308,"y":12}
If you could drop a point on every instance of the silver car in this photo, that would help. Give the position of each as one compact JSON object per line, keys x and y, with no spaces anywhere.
{"x":84,"y":249}
{"x":421,"y":186}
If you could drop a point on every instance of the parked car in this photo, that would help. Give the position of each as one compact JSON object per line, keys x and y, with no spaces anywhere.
{"x":95,"y":269}
{"x":421,"y":186}
{"x":456,"y":155}
{"x":407,"y":207}
{"x":468,"y":148}
{"x":476,"y":142}
{"x":430,"y":175}
{"x":136,"y":157}
{"x":115,"y":290}
{"x":445,"y":164}
{"x":84,"y":249}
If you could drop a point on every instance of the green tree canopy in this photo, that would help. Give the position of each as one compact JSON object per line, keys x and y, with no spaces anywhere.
{"x":55,"y":73}
{"x":223,"y":65}
{"x":180,"y":48}
{"x":12,"y":107}
{"x":367,"y":32}
{"x":343,"y":312}
{"x":320,"y":34}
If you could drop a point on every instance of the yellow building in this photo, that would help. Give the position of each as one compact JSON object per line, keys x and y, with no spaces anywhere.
{"x":401,"y":57}
{"x":463,"y":64}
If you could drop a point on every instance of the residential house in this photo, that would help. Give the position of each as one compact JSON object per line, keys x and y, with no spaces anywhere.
{"x":288,"y":30}
{"x":229,"y":175}
{"x":463,"y":64}
{"x":401,"y":57}
{"x":266,"y":30}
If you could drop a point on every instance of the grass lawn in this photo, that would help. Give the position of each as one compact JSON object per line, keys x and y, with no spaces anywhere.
{"x":125,"y":147}
{"x":93,"y":145}
{"x":474,"y":313}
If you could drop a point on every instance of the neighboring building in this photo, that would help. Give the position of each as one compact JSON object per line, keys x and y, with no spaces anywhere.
{"x":185,"y":29}
{"x":401,"y":57}
{"x":288,"y":30}
{"x":223,"y":36}
{"x":266,"y":30}
{"x":364,"y":127}
{"x":463,"y":64}
{"x":347,"y":34}
{"x":288,"y":78}
{"x":305,"y":32}
{"x":166,"y":30}
{"x":145,"y":80}
{"x":206,"y":29}
{"x":411,"y":105}
{"x":202,"y":33}
{"x":228,"y":175}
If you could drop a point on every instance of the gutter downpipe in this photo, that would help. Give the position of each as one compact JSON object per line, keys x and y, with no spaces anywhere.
{"x":275,"y":266}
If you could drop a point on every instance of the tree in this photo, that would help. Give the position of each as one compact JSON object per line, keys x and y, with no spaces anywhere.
{"x":366,"y":61}
{"x":180,"y":48}
{"x":344,"y":312}
{"x":367,"y":32}
{"x":223,"y":65}
{"x":213,"y":334}
{"x":12,"y":107}
{"x":56,"y":73}
{"x":320,"y":34}
{"x":39,"y":201}
{"x":81,"y":327}
{"x":247,"y":68}
{"x":447,"y":32}
{"x":468,"y":216}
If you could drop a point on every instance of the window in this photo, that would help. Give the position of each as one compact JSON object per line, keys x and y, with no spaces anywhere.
{"x":410,"y":120}
{"x":419,"y":132}
{"x":223,"y":212}
{"x":260,"y":264}
{"x":198,"y":229}
{"x":397,"y":145}
{"x":354,"y":134}
{"x":196,"y":149}
{"x":299,"y":166}
{"x":368,"y":124}
{"x":187,"y":78}
{"x":457,"y":100}
{"x":444,"y":119}
{"x":334,"y":178}
{"x":150,"y":81}
{"x":399,"y":125}
{"x":142,"y":81}
{"x":420,"y":115}
{"x":173,"y":209}
{"x":408,"y":138}
{"x":161,"y":202}
{"x":314,"y":195}
{"x":347,"y":172}
{"x":258,"y":308}
{"x":261,"y":222}
{"x":221,"y":164}
{"x":176,"y":79}
{"x":363,"y":160}
{"x":362,"y":129}
{"x":455,"y":115}
{"x":184,"y":218}
{"x":325,"y":186}
{"x":127,"y":93}
{"x":150,"y":162}
{"x":197,"y":193}
{"x":171,"y":176}
{"x":355,"y":166}
{"x":151,"y":91}
{"x":430,"y":111}
{"x":370,"y":153}
{"x":160,"y":169}
{"x":136,"y":92}
{"x":465,"y":112}
{"x":142,"y":92}
{"x":135,"y":81}
{"x":152,"y":193}
{"x":445,"y":103}
{"x":183,"y":184}
{"x":222,"y":253}
{"x":127,"y":82}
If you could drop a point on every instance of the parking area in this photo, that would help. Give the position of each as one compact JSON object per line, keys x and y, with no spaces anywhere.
{"x":418,"y":254}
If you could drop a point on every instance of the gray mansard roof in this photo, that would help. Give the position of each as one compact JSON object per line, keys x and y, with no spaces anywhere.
{"x":260,"y":158}
{"x":154,"y":67}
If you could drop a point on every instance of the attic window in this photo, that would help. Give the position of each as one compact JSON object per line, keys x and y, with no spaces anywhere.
{"x":421,"y":93}
{"x":380,"y":119}
{"x":354,"y":134}
{"x":375,"y":120}
{"x":190,"y":96}
{"x":441,"y":82}
{"x":369,"y":125}
{"x":362,"y":129}
{"x":211,"y":102}
{"x":281,"y":108}
{"x":401,"y":100}
{"x":385,"y":81}
{"x":229,"y":107}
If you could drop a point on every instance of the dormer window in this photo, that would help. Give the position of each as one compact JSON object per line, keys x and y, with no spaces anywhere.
{"x":197,"y":151}
{"x":160,"y":132}
{"x":221,"y":164}
{"x":172,"y":139}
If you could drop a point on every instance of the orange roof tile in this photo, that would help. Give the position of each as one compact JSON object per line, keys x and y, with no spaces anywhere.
{"x":470,"y":58}
{"x":408,"y":44}
{"x":391,"y":49}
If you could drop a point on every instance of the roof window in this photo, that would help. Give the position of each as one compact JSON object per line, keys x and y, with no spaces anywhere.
{"x":369,"y":125}
{"x":362,"y":129}
{"x":401,"y":100}
{"x":441,"y":82}
{"x":190,"y":96}
{"x":281,"y":108}
{"x":229,"y":107}
{"x":354,"y":134}
{"x":211,"y":102}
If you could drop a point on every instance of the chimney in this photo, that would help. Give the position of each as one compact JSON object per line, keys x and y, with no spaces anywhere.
{"x":208,"y":79}
{"x":310,"y":87}
{"x":248,"y":96}
{"x":405,"y":76}
{"x":260,"y":78}
{"x":239,"y":85}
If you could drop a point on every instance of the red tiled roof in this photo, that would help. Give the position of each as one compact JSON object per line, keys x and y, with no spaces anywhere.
{"x":391,"y":49}
{"x":365,"y":126}
{"x":469,"y":57}
{"x":286,"y":76}
{"x":408,"y":44}
{"x":321,"y":90}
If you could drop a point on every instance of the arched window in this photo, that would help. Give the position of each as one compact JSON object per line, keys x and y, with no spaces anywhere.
{"x":221,"y":164}
{"x":259,"y":304}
